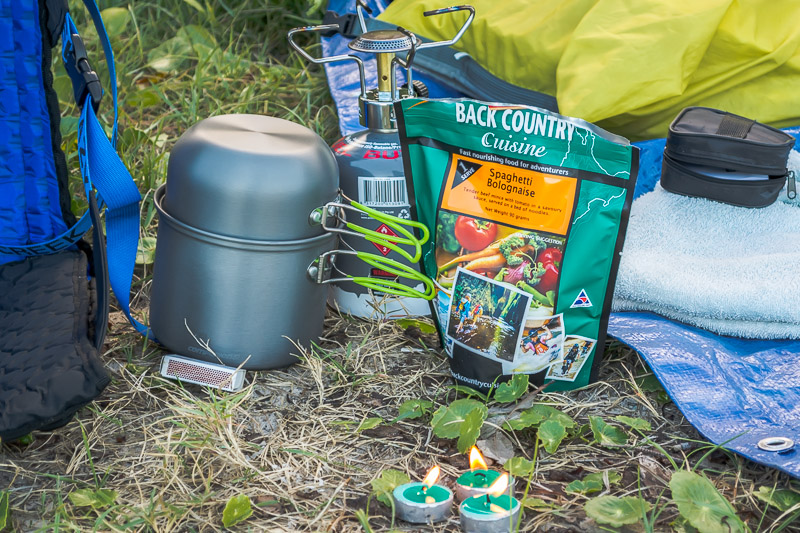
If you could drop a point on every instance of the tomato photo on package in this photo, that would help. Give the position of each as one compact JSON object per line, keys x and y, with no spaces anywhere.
{"x":474,"y":234}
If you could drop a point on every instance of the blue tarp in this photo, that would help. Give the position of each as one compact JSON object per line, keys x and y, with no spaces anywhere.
{"x":734,"y":391}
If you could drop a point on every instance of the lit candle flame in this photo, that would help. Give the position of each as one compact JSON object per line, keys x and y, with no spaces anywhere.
{"x":499,"y":486}
{"x":493,"y":507}
{"x":431,"y":476}
{"x":476,"y":460}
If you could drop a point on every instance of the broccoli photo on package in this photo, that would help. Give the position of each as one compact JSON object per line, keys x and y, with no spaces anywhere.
{"x":528,"y":210}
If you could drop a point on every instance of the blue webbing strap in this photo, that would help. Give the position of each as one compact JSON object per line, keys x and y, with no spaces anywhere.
{"x":103,"y":170}
{"x":91,"y":6}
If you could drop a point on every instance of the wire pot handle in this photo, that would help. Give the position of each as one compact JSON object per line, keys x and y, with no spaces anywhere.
{"x":333,"y":218}
{"x":322,"y":267}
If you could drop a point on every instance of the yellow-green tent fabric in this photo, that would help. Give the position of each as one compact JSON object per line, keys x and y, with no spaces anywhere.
{"x":632,"y":65}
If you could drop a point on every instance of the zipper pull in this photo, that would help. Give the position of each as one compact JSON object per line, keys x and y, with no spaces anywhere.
{"x":791,"y":191}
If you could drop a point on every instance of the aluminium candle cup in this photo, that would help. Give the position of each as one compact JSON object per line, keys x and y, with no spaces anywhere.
{"x":410,"y":503}
{"x":484,"y":521}
{"x":476,"y":482}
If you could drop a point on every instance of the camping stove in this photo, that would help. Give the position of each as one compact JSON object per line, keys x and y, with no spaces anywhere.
{"x":370,"y":162}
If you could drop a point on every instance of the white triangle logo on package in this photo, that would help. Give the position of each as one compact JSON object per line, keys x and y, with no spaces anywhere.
{"x":582,"y":300}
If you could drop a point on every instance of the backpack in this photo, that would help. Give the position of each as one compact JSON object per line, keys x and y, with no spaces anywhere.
{"x":54,"y":284}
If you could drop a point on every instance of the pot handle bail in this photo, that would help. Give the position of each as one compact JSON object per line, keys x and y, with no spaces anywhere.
{"x":333,"y":218}
{"x":322,"y":267}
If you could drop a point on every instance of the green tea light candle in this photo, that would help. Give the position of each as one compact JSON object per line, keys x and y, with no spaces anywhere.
{"x":477,"y":481}
{"x":489,"y":514}
{"x":423,"y":502}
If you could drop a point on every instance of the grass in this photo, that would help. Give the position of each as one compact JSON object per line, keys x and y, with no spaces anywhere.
{"x":150,"y":455}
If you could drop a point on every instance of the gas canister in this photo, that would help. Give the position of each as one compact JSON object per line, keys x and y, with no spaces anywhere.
{"x":370,"y":161}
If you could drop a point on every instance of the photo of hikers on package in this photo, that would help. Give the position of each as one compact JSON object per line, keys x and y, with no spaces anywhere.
{"x":540,"y":346}
{"x":575,"y":353}
{"x":485,"y":316}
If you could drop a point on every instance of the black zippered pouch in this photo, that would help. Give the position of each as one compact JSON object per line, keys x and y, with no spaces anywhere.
{"x":730,"y":187}
{"x":705,"y":136}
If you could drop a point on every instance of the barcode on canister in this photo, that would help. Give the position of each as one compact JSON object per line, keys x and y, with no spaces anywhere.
{"x":382,"y":192}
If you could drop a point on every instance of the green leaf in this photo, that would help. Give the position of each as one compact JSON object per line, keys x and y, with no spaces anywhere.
{"x":413,"y":409}
{"x":551,"y":433}
{"x":551,"y":297}
{"x":195,"y":4}
{"x":470,"y":430}
{"x":369,"y":423}
{"x":635,"y":423}
{"x":316,"y":5}
{"x":146,"y":254}
{"x":512,"y":390}
{"x":202,"y":41}
{"x":170,"y":55}
{"x":190,"y":42}
{"x":527,"y":418}
{"x":519,"y":466}
{"x":651,"y":384}
{"x":147,"y":97}
{"x":68,"y":126}
{"x":237,"y":509}
{"x":383,"y":486}
{"x":593,"y":482}
{"x":537,"y":414}
{"x":447,"y":420}
{"x":3,"y":509}
{"x":115,"y":20}
{"x":537,"y":504}
{"x":551,"y":413}
{"x":605,"y":434}
{"x":198,"y":35}
{"x":62,"y":85}
{"x":25,"y":439}
{"x":781,"y":499}
{"x":424,"y":327}
{"x":702,"y":505}
{"x":96,"y":499}
{"x":470,"y":392}
{"x":616,"y":511}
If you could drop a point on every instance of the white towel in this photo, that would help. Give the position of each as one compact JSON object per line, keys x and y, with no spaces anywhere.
{"x":731,"y":270}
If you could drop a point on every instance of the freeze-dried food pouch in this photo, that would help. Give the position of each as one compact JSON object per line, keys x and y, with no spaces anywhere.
{"x":528,"y":209}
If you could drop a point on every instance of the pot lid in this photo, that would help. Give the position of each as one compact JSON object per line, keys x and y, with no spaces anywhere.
{"x":251,"y":177}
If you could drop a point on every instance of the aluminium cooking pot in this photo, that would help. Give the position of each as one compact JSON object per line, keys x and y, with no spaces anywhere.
{"x":235,"y":241}
{"x":247,"y":242}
